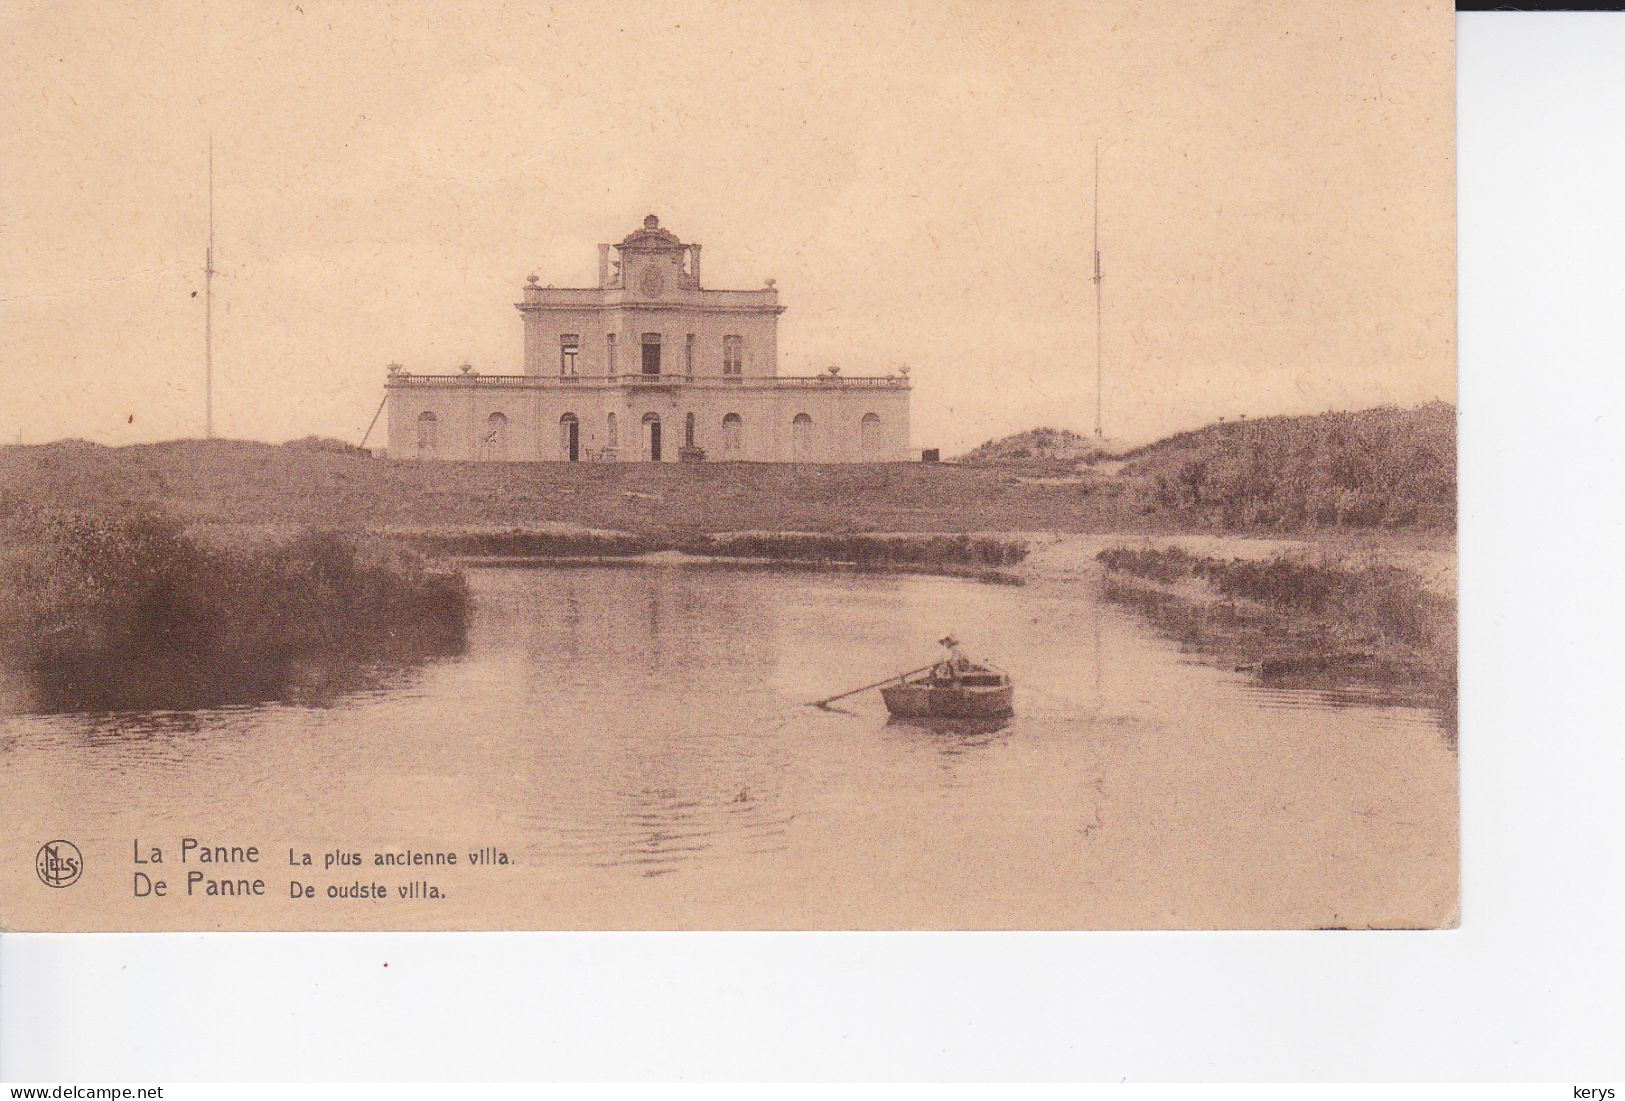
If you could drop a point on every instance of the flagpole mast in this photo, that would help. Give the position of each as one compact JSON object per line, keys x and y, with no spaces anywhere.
{"x":1099,"y":432}
{"x":208,"y":310}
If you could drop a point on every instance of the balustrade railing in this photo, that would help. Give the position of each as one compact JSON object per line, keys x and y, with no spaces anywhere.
{"x":834,"y":382}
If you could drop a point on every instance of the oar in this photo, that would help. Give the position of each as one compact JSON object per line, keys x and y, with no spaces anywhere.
{"x":853,"y":692}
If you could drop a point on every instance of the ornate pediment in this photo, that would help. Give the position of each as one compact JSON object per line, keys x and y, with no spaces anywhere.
{"x":651,"y":237}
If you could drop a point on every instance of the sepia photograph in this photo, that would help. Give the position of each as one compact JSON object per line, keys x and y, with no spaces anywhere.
{"x":713,"y":466}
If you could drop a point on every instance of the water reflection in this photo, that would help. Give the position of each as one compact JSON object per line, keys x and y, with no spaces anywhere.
{"x":952,"y":737}
{"x":179,"y":686}
{"x":1292,"y":665}
{"x":645,"y":726}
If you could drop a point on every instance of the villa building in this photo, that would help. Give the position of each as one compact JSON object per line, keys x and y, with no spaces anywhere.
{"x":649,"y":366}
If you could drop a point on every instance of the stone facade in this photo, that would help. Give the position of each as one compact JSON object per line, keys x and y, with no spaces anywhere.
{"x":649,"y":366}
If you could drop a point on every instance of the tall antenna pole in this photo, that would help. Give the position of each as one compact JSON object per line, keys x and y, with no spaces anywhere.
{"x":208,"y":310}
{"x":1099,"y":431}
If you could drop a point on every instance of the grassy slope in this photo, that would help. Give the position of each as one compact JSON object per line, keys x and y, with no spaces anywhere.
{"x":1383,"y":467}
{"x":228,"y":482}
{"x":1378,"y":468}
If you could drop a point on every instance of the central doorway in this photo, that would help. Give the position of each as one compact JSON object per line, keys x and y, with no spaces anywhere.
{"x":570,"y":438}
{"x":651,"y":437}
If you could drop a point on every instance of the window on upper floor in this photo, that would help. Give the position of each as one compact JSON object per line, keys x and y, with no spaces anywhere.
{"x":651,"y":353}
{"x":688,"y":354}
{"x":569,"y":351}
{"x":611,"y":353}
{"x":733,"y":355}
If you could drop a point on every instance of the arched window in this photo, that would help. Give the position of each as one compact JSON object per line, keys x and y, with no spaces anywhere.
{"x":733,"y":435}
{"x":869,"y":437}
{"x":428,"y":435}
{"x":569,"y":438}
{"x":651,"y":437}
{"x":688,"y":430}
{"x":495,"y":444}
{"x":801,"y":442}
{"x":613,"y":436}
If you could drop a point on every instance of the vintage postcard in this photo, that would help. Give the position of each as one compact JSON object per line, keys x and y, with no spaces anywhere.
{"x":728,"y":466}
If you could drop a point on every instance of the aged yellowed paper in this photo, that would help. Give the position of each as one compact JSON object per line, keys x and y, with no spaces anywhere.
{"x":727,"y":466}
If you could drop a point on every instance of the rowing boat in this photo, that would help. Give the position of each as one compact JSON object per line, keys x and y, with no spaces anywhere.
{"x":951,"y":690}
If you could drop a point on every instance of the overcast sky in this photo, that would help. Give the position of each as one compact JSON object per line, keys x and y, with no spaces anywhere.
{"x":1277,"y":200}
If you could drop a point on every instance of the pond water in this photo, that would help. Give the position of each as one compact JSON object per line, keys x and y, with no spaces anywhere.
{"x":635,"y":741}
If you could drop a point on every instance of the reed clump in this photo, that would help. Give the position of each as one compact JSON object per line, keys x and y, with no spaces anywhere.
{"x":1166,"y":564}
{"x":518,"y":543}
{"x":129,"y":610}
{"x":866,"y":551}
{"x":1311,"y":609}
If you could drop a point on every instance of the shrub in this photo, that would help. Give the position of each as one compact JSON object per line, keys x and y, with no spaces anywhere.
{"x":1166,"y":564}
{"x":875,"y":551}
{"x":1384,"y":467}
{"x":113,"y":611}
{"x":536,"y":544}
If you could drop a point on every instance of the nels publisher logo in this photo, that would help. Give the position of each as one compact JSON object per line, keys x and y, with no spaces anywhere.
{"x":59,"y":863}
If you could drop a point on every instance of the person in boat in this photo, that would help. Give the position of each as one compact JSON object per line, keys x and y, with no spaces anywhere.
{"x":958,"y":662}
